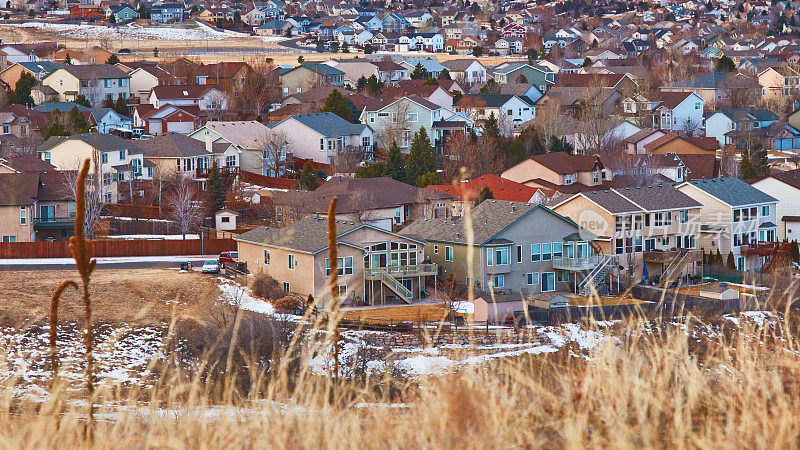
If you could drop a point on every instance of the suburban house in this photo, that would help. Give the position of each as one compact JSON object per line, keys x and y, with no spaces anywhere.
{"x":306,"y":76}
{"x":779,"y":81}
{"x":651,"y":230}
{"x":381,"y":202}
{"x":501,"y":188}
{"x":39,"y":69}
{"x":122,"y":13}
{"x":322,"y":137}
{"x":374,"y":266}
{"x":735,"y":218}
{"x":120,"y":159}
{"x":35,"y":207}
{"x":560,"y":171}
{"x":204,"y":96}
{"x":519,"y":72}
{"x":225,"y":75}
{"x":469,"y":71}
{"x":167,"y":119}
{"x":247,"y":139}
{"x":502,"y":254}
{"x":399,"y":120}
{"x":166,"y":13}
{"x":511,"y":111}
{"x":89,"y":13}
{"x":721,"y":123}
{"x":785,"y":187}
{"x":680,"y":111}
{"x":681,"y":145}
{"x":145,"y":78}
{"x":173,"y":153}
{"x":106,"y":120}
{"x":97,"y":82}
{"x":710,"y":87}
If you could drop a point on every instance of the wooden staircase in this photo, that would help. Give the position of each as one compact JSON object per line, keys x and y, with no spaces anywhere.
{"x":778,"y":252}
{"x":394,"y":285}
{"x":674,"y":268}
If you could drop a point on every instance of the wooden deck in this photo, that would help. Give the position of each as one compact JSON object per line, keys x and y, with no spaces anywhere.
{"x":428,"y":312}
{"x":604,"y":301}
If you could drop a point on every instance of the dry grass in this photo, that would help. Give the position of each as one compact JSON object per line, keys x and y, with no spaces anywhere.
{"x":604,"y":301}
{"x":140,"y":296}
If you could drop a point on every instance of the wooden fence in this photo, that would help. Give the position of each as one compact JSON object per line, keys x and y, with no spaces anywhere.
{"x":138,"y":247}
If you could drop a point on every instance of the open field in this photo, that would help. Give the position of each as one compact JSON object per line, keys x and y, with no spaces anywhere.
{"x":123,"y":296}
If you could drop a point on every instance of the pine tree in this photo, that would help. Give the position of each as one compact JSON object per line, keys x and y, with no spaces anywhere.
{"x":83,"y":101}
{"x":421,"y":158}
{"x":490,"y":127}
{"x":725,"y":64}
{"x":484,"y":194}
{"x":395,"y":168}
{"x":113,"y":59}
{"x":308,"y":178}
{"x":760,"y":161}
{"x":54,"y":126}
{"x":120,"y":106}
{"x":77,"y":121}
{"x":373,"y":170}
{"x":428,"y":178}
{"x":444,"y":74}
{"x":341,"y":106}
{"x":420,"y":73}
{"x":361,"y":83}
{"x":731,"y":261}
{"x":215,"y":188}
{"x":746,"y":168}
{"x":794,"y":252}
{"x":67,"y":59}
{"x":22,"y":90}
{"x":718,"y":258}
{"x":155,"y":52}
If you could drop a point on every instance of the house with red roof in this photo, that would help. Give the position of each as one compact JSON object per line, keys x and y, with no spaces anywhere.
{"x":501,"y":188}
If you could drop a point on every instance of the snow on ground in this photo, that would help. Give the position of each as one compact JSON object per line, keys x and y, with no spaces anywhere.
{"x":126,"y":32}
{"x":168,"y":237}
{"x":105,"y":260}
{"x":235,"y":293}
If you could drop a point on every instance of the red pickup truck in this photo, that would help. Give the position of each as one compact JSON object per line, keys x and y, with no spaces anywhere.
{"x":228,"y":257}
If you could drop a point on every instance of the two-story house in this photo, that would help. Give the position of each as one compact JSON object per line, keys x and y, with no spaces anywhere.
{"x":679,"y":111}
{"x":500,"y":253}
{"x":728,"y":126}
{"x":779,"y":81}
{"x":204,"y":96}
{"x":469,"y":70}
{"x":166,"y":13}
{"x":511,"y":111}
{"x":97,"y":82}
{"x":35,"y":207}
{"x":651,"y":230}
{"x":560,"y":171}
{"x":785,"y":187}
{"x":735,"y":217}
{"x":374,"y":266}
{"x":322,"y":137}
{"x":520,"y":72}
{"x":247,"y":139}
{"x":306,"y":76}
{"x":172,"y":153}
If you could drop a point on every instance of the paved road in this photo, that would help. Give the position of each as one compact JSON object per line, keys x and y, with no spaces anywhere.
{"x":104,"y":263}
{"x":292,"y":44}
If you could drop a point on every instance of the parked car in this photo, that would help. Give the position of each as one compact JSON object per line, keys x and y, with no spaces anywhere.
{"x":228,"y":257}
{"x":210,"y":266}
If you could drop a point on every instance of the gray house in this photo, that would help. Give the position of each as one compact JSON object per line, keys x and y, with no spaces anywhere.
{"x":507,"y":254}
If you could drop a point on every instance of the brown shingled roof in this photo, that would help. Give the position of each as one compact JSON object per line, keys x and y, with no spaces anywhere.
{"x":564,"y":163}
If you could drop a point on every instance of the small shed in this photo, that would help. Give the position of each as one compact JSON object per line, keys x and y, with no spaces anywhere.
{"x":225,"y":220}
{"x":499,"y":308}
{"x":551,"y":300}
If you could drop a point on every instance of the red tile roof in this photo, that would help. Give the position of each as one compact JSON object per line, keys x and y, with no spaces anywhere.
{"x":502,"y":189}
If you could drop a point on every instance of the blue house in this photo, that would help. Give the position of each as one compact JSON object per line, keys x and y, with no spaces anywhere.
{"x":122,"y":13}
{"x":167,"y":13}
{"x":107,"y":119}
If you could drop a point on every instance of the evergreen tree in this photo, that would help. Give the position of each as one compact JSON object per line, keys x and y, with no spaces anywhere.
{"x":300,"y":60}
{"x":22,"y":90}
{"x":477,"y":51}
{"x":515,"y":152}
{"x":113,"y":59}
{"x":491,"y":129}
{"x":155,"y":52}
{"x":120,"y":106}
{"x":112,"y":19}
{"x":308,"y":178}
{"x":484,"y":194}
{"x":746,"y":168}
{"x":731,"y":261}
{"x":491,"y":87}
{"x":373,"y":170}
{"x":587,"y":62}
{"x":395,"y":168}
{"x":760,"y":161}
{"x":444,"y":75}
{"x":341,"y":106}
{"x":420,"y":73}
{"x":429,"y":178}
{"x":374,"y":86}
{"x":794,"y":252}
{"x":67,"y":59}
{"x":368,"y":49}
{"x":83,"y":101}
{"x":421,"y":158}
{"x":361,"y":83}
{"x":725,"y":64}
{"x":215,"y":188}
{"x":345,"y":48}
{"x":54,"y":126}
{"x":718,"y":258}
{"x":77,"y":121}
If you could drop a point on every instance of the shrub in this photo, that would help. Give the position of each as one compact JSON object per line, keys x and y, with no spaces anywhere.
{"x":266,"y":287}
{"x":289,"y":303}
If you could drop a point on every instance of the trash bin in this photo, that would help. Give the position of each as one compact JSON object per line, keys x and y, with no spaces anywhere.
{"x":187,"y":266}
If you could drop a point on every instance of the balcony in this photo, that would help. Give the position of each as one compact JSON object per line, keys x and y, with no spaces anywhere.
{"x":758,"y":248}
{"x":224,"y":171}
{"x":577,"y":264}
{"x":419,"y":270}
{"x":665,"y":257}
{"x":44,"y":223}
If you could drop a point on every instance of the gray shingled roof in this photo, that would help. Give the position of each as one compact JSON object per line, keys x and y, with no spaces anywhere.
{"x":732,"y":191}
{"x":612,"y":201}
{"x":328,"y":124}
{"x":308,"y":235}
{"x":101,"y":141}
{"x":659,"y":197}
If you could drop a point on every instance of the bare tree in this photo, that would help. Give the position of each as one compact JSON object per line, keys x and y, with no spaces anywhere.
{"x":728,"y":162}
{"x":184,"y":204}
{"x":468,"y":157}
{"x":93,"y":195}
{"x":274,"y":153}
{"x":397,"y":128}
{"x":259,"y":89}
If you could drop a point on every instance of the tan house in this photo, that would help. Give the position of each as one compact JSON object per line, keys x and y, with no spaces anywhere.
{"x":306,"y":76}
{"x":374,"y":266}
{"x":682,"y":145}
{"x":559,"y":171}
{"x":97,"y":82}
{"x":34,"y":207}
{"x":654,"y":226}
{"x":39,"y":70}
{"x":779,"y":81}
{"x":176,"y":153}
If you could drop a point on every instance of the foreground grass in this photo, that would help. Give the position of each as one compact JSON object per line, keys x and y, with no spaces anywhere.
{"x":685,"y":384}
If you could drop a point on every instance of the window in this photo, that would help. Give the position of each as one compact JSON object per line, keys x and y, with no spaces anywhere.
{"x":683,"y":216}
{"x":568,"y":179}
{"x":658,"y":219}
{"x":9,"y":239}
{"x":532,"y":278}
{"x":629,"y":245}
{"x":618,"y":246}
{"x":398,"y":215}
{"x":266,"y":257}
{"x":23,"y":215}
{"x":536,"y":252}
{"x":637,"y":222}
{"x":547,"y":251}
{"x":46,"y":156}
{"x":499,"y":281}
{"x":519,"y":254}
{"x":448,"y":253}
{"x":501,"y":255}
{"x":344,"y":266}
{"x":688,"y":241}
{"x":548,"y":281}
{"x":122,"y":155}
{"x":286,"y":286}
{"x":737,"y":215}
{"x":489,"y":257}
{"x":292,"y":262}
{"x":753,"y":213}
{"x":225,"y":219}
{"x":765,"y":210}
{"x":230,"y":161}
{"x":412,"y":117}
{"x":647,"y":220}
{"x":649,"y":244}
{"x":558,"y":249}
{"x":563,"y":276}
{"x":123,"y":82}
{"x":618,"y":224}
{"x":638,"y":243}
{"x":107,"y":83}
{"x":596,"y":177}
{"x":435,"y":249}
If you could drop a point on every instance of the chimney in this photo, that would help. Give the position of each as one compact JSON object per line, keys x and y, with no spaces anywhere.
{"x":208,"y":142}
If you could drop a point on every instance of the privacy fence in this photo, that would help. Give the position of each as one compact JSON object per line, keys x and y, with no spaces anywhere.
{"x":118,"y":248}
